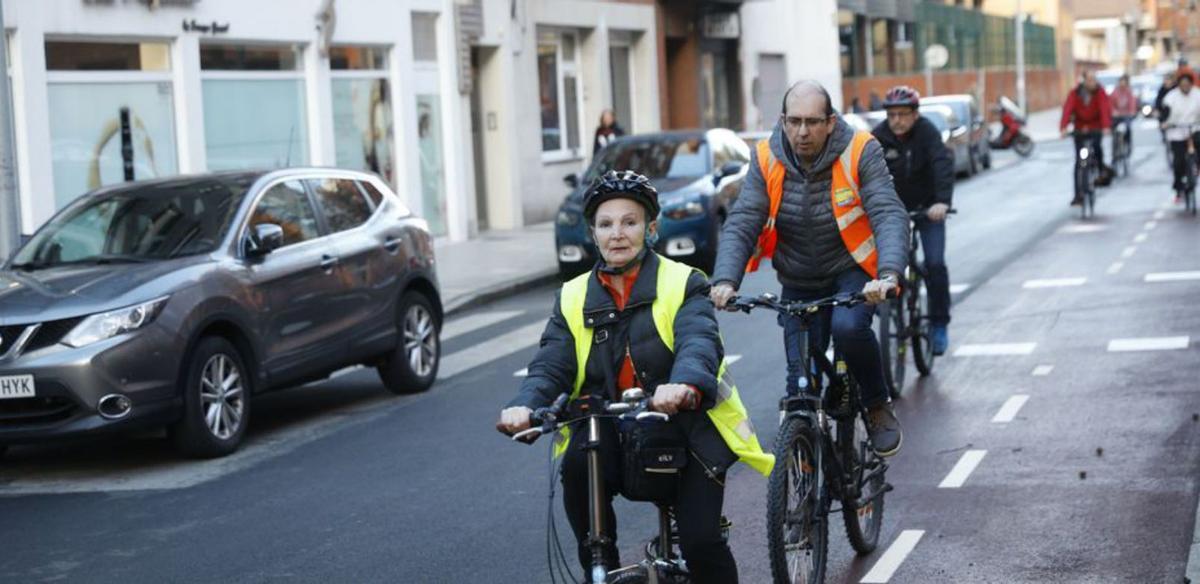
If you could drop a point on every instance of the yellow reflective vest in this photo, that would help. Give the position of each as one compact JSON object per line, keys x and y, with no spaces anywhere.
{"x":728,"y":415}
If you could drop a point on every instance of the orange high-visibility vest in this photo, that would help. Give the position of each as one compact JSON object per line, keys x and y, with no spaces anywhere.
{"x":847,"y":205}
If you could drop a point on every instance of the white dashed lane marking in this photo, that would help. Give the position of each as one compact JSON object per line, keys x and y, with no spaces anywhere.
{"x":1139,"y":238}
{"x":494,"y":348}
{"x":463,"y":325}
{"x":1054,"y":283}
{"x":994,"y":349}
{"x":1128,"y":252}
{"x":1150,"y":225}
{"x":1115,"y":267}
{"x":1148,"y":344}
{"x":959,"y":288}
{"x":890,"y":561}
{"x":1042,"y":370}
{"x":961,"y":471}
{"x":1010,"y":408}
{"x":1172,"y":276}
{"x":1082,"y":228}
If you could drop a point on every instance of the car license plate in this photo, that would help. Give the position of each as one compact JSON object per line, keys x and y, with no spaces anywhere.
{"x":16,"y":386}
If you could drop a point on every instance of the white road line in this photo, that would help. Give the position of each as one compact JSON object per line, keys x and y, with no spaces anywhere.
{"x":731,"y":359}
{"x":1150,"y":225}
{"x":961,"y":471}
{"x":890,"y":561}
{"x":1042,"y":370}
{"x":1159,"y":214}
{"x":490,"y":350}
{"x":521,"y":373}
{"x":1128,"y":251}
{"x":1082,"y":228}
{"x":1148,"y":344}
{"x":1139,"y":238}
{"x":466,"y":324}
{"x":1054,"y":283}
{"x":959,"y":288}
{"x":1172,"y":276}
{"x":994,"y":349}
{"x":1115,"y":267}
{"x":1009,"y":410}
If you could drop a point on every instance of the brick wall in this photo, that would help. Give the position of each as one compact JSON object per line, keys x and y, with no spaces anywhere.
{"x":1043,"y":87}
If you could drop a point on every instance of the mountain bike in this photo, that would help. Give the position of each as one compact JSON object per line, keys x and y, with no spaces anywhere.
{"x":823,"y":454}
{"x":663,"y":562}
{"x":1087,"y":172}
{"x":903,"y":322}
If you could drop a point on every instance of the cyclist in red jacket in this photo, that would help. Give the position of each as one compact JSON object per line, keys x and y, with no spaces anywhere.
{"x":1088,"y":108}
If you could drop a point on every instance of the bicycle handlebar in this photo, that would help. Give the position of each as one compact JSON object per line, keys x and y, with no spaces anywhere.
{"x":921,"y":212}
{"x":635,"y":406}
{"x":797,"y":308}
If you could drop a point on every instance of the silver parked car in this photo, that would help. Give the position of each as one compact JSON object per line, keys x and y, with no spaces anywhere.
{"x":174,"y":302}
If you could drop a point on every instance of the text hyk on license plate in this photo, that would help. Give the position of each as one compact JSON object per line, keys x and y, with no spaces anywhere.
{"x":16,"y":386}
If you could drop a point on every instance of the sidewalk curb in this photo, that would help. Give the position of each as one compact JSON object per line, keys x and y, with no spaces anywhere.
{"x":499,"y":291}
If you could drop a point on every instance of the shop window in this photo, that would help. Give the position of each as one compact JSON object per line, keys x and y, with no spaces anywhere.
{"x":362,"y":110}
{"x":111,"y":114}
{"x":254,"y":106}
{"x":429,"y":139}
{"x":559,"y":93}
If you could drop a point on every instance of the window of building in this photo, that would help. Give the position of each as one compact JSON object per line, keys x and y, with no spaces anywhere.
{"x":362,"y":110}
{"x":430,"y":143}
{"x":287,"y":205}
{"x":254,"y":106}
{"x":881,"y":55}
{"x":342,"y":204}
{"x":558,"y":92}
{"x":848,"y":39}
{"x":905,"y":50}
{"x":111,"y":114}
{"x":620,"y":59}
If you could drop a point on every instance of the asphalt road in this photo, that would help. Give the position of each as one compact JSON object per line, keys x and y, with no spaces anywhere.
{"x":1087,"y":455}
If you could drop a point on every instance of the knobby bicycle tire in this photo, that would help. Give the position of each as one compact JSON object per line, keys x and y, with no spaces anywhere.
{"x":864,"y":524}
{"x":796,"y":449}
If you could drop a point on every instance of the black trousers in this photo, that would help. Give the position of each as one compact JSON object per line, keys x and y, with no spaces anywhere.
{"x":697,"y":509}
{"x":1180,"y":159}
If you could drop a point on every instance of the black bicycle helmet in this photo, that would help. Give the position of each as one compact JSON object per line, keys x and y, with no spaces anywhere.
{"x":618,"y":184}
{"x":902,"y":96}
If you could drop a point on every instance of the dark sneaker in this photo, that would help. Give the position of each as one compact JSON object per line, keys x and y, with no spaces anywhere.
{"x":1077,"y":201}
{"x":884,"y":429}
{"x":940,"y":340}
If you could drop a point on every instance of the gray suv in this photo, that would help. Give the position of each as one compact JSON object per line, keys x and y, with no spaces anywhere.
{"x":173,"y":302}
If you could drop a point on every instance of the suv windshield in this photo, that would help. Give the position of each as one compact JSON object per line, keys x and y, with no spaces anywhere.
{"x":663,"y":157}
{"x":147,"y":223}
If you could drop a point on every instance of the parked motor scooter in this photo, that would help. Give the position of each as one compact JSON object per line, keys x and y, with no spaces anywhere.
{"x":1012,"y":124}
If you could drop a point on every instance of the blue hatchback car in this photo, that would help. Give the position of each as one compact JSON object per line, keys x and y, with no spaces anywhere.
{"x":698,"y":174}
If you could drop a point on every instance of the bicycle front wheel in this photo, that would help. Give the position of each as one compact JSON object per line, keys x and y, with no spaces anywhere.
{"x":922,"y":347}
{"x":892,"y":336}
{"x":863,"y":515}
{"x":797,"y":523}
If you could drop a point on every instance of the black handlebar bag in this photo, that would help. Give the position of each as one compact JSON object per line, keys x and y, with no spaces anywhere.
{"x":654,"y":454}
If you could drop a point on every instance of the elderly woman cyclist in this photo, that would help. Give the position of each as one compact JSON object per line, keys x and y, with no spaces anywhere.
{"x":619,"y":310}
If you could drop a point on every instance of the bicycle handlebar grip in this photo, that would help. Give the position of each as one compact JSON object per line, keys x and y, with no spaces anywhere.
{"x":643,"y":416}
{"x":528,"y":436}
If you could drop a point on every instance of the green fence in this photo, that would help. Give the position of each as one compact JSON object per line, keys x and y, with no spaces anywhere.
{"x":977,"y":40}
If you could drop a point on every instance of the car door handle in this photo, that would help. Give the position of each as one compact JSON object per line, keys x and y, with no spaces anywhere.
{"x":391,"y":244}
{"x":328,"y":262}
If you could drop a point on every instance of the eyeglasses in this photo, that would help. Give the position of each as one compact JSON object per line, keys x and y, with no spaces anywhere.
{"x":794,"y":123}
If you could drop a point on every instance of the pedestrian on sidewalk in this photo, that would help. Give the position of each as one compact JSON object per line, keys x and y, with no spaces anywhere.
{"x":1087,"y":108}
{"x":922,"y":169}
{"x":603,"y":323}
{"x":819,"y":199}
{"x":608,"y":131}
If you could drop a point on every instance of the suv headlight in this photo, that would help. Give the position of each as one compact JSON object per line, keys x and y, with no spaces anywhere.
{"x":688,"y":209}
{"x":568,"y":218}
{"x":107,"y":325}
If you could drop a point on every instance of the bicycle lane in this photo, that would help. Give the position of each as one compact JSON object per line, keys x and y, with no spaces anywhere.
{"x":1064,"y":448}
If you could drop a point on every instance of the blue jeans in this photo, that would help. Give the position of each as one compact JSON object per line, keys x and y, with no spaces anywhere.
{"x":852,"y":332}
{"x":937,"y":284}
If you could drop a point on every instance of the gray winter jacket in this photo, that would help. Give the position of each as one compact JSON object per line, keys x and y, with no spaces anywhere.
{"x":809,"y":252}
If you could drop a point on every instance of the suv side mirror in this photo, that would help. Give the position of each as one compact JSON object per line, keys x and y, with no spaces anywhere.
{"x":572,"y":180}
{"x":264,"y":239}
{"x":959,"y":131}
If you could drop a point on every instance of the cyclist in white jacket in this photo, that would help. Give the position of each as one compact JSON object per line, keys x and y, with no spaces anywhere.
{"x":1182,"y":125}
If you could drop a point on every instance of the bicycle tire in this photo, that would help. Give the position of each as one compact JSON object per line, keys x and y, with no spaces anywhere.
{"x":922,"y":343}
{"x":795,"y":448}
{"x":864,"y":524}
{"x":892,"y":346}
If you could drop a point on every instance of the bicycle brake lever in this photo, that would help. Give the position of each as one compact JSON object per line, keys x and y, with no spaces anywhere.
{"x":529,"y":435}
{"x":653,"y":415}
